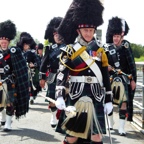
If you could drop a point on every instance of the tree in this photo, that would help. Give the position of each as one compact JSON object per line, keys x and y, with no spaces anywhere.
{"x":138,"y":50}
{"x":16,"y":39}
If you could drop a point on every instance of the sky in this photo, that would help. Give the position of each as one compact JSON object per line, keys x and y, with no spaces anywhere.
{"x":32,"y":16}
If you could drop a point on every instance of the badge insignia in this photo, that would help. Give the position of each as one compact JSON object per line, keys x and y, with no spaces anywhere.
{"x":13,"y":50}
{"x":126,"y":45}
{"x":33,"y":51}
{"x":84,"y":55}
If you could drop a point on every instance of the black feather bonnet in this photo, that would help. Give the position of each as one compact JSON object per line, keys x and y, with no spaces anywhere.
{"x":52,"y":28}
{"x":116,"y":26}
{"x":7,"y":30}
{"x":81,"y":13}
{"x":26,"y":38}
{"x":40,"y":46}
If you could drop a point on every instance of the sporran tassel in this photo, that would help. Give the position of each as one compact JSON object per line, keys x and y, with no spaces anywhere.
{"x":114,"y":91}
{"x":118,"y":93}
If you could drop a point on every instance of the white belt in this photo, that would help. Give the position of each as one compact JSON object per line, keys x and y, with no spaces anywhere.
{"x":83,"y":79}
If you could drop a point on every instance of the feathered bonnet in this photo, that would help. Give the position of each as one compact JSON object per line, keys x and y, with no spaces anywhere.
{"x":7,"y":30}
{"x":81,"y":14}
{"x":116,"y":26}
{"x":40,"y":46}
{"x":26,"y":38}
{"x":51,"y":29}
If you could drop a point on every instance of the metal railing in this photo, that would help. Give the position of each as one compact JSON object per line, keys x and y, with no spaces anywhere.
{"x":140,"y":105}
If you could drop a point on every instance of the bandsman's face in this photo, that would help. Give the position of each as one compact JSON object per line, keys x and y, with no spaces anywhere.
{"x":56,"y":39}
{"x":26,"y":47}
{"x":4,"y":44}
{"x":40,"y":51}
{"x":117,"y":40}
{"x":87,"y":33}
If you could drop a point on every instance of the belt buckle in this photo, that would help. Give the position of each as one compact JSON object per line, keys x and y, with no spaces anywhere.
{"x":89,"y":79}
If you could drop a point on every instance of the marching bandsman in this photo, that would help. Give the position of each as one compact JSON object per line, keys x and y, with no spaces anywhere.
{"x":14,"y":94}
{"x":27,"y":45}
{"x":51,"y":59}
{"x":40,"y":50}
{"x":122,"y":70}
{"x":85,"y":65}
{"x":40,"y":55}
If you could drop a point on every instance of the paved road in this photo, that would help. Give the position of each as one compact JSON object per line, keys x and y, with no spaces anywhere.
{"x":35,"y":129}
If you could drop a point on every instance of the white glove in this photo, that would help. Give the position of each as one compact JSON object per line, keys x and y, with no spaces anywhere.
{"x":108,"y":107}
{"x":60,"y":103}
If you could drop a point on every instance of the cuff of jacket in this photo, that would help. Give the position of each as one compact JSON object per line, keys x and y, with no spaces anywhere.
{"x":108,"y":98}
{"x":60,"y":93}
{"x":42,"y":76}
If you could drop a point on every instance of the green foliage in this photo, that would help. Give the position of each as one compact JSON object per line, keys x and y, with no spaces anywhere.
{"x":16,"y":39}
{"x":141,"y":59}
{"x":37,"y":41}
{"x":138,"y":50}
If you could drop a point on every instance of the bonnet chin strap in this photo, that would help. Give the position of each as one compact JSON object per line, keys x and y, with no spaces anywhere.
{"x":82,"y":36}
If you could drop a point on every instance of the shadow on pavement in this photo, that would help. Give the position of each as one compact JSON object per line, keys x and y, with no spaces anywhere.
{"x":40,"y":104}
{"x":129,"y":134}
{"x":44,"y":110}
{"x":26,"y":134}
{"x":106,"y":139}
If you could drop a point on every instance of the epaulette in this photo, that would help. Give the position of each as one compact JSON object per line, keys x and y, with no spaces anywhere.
{"x":126,"y":44}
{"x":106,"y":47}
{"x":67,"y":48}
{"x":99,"y":43}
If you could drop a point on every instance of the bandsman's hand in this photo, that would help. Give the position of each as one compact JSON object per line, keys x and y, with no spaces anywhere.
{"x":31,"y":65}
{"x":109,"y":68}
{"x":42,"y":83}
{"x":133,"y":84}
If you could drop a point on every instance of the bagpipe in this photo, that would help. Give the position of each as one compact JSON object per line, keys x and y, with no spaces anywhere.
{"x":117,"y":86}
{"x":3,"y":89}
{"x":31,"y":74}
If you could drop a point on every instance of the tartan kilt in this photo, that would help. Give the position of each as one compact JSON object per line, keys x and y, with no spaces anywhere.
{"x":129,"y":95}
{"x":51,"y":90}
{"x":99,"y":110}
{"x":11,"y":91}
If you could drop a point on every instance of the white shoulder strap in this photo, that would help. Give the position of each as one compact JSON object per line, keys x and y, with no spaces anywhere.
{"x":94,"y":67}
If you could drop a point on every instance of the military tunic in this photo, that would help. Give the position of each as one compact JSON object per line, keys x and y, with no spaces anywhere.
{"x":50,"y":62}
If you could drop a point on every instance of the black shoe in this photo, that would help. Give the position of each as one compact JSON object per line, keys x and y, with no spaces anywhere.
{"x":31,"y":102}
{"x":122,"y":134}
{"x":110,"y":128}
{"x":53,"y":126}
{"x":2,"y":123}
{"x":7,"y":130}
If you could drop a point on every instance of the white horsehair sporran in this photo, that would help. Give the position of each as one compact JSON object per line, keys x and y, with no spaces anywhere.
{"x":82,"y":123}
{"x":3,"y":94}
{"x":118,"y":90}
